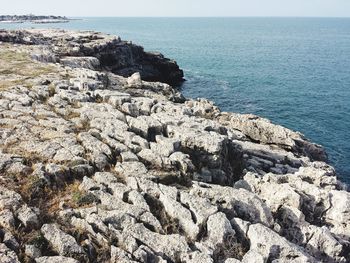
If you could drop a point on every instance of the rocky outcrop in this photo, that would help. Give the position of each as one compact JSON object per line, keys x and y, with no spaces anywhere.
{"x":95,"y":51}
{"x":96,"y":167}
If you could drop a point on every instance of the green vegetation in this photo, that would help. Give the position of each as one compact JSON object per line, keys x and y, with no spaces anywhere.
{"x":79,"y":197}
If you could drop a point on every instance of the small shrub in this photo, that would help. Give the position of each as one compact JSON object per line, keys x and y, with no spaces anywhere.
{"x":34,"y":187}
{"x":86,"y":199}
{"x":38,"y":240}
{"x":231,"y":248}
{"x":52,"y":90}
{"x":80,"y":197}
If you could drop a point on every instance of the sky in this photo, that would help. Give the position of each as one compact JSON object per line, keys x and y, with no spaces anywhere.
{"x":182,"y":8}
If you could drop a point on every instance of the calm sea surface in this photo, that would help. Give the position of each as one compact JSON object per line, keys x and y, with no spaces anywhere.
{"x":294,"y":71}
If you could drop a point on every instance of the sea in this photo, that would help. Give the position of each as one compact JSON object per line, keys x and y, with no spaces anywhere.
{"x":293,"y":71}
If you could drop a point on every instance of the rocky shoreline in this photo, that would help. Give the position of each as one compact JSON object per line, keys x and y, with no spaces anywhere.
{"x":102,"y":161}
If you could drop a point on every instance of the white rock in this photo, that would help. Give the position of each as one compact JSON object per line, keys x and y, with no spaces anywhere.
{"x":183,"y":215}
{"x":32,"y":251}
{"x":56,"y":259}
{"x":269,"y":244}
{"x":7,"y":255}
{"x":135,"y":80}
{"x":219,"y":228}
{"x":63,"y":243}
{"x":252,"y":256}
{"x":27,"y":216}
{"x":6,"y":219}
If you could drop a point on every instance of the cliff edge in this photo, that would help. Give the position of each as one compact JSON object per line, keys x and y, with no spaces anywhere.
{"x":96,"y":51}
{"x":98,"y":164}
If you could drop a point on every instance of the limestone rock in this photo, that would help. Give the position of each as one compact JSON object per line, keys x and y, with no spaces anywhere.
{"x":7,"y":219}
{"x":81,"y":62}
{"x":7,"y":255}
{"x":270,"y":244}
{"x":219,"y":227}
{"x":27,"y":216}
{"x":63,"y":243}
{"x":135,"y":80}
{"x":32,"y":251}
{"x":55,"y":259}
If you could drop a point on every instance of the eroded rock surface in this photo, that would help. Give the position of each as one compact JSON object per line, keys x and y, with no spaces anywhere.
{"x":96,"y":167}
{"x":94,"y":50}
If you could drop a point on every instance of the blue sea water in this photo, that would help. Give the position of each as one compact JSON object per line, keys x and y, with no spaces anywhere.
{"x":294,"y":71}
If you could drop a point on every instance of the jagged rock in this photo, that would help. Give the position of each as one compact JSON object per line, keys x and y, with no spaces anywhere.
{"x":197,"y":257}
{"x":182,"y":161}
{"x":233,"y":260}
{"x":275,"y":194}
{"x":115,"y":98}
{"x":27,"y":216}
{"x":202,"y":107}
{"x":164,"y":245}
{"x":252,"y":256}
{"x":63,"y":243}
{"x":151,"y":157}
{"x":81,"y":62}
{"x":144,"y":104}
{"x":240,"y":202}
{"x":131,"y":169}
{"x":135,"y":81}
{"x":263,"y":130}
{"x":9,"y":199}
{"x":100,"y":152}
{"x":131,"y":109}
{"x":18,"y":168}
{"x":118,"y":255}
{"x":270,"y":245}
{"x":201,"y":207}
{"x":165,"y":146}
{"x":218,"y":227}
{"x":339,"y":212}
{"x":9,"y":240}
{"x":210,"y":142}
{"x":180,"y":213}
{"x":32,"y":251}
{"x":129,"y":157}
{"x":7,"y":219}
{"x":146,"y":126}
{"x":7,"y":255}
{"x":55,"y":259}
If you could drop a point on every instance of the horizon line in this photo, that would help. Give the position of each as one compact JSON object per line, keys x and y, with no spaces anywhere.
{"x":123,"y":16}
{"x":213,"y":16}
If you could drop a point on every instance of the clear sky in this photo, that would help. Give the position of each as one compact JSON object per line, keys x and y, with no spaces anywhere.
{"x":320,"y":8}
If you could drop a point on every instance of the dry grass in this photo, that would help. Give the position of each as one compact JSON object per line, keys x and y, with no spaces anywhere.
{"x":231,"y":248}
{"x":71,"y":115}
{"x":72,"y":197}
{"x":36,"y":192}
{"x":17,"y":68}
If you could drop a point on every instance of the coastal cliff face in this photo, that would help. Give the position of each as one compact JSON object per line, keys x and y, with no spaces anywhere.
{"x":98,"y":165}
{"x":95,"y":51}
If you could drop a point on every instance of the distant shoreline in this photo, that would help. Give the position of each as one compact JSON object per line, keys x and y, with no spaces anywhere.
{"x":18,"y":19}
